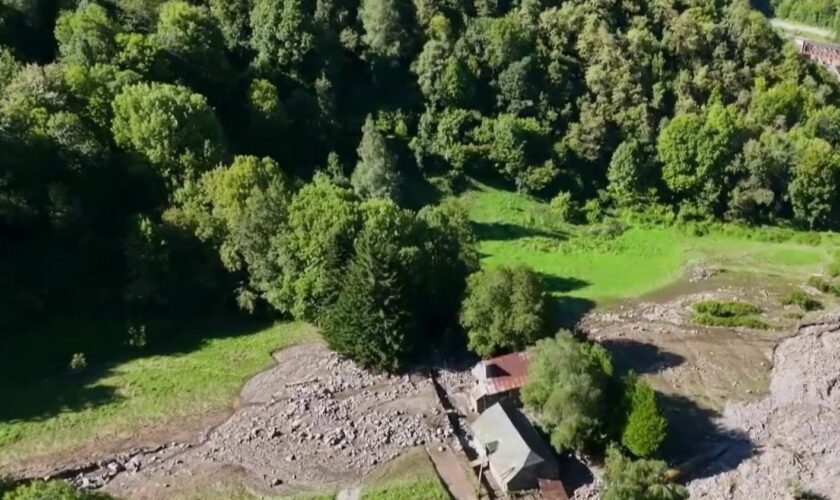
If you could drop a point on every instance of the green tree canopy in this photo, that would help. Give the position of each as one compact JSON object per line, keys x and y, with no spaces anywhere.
{"x":190,"y":35}
{"x":376,"y":173}
{"x":627,"y":479}
{"x":174,"y":129}
{"x":812,"y":190}
{"x":373,"y":320}
{"x":567,"y":389}
{"x":87,"y":35}
{"x":646,"y":428}
{"x":324,"y":220}
{"x":387,"y":31}
{"x":505,"y":309}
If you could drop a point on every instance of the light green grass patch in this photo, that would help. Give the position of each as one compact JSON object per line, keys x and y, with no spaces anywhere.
{"x":600,"y":263}
{"x":109,"y":403}
{"x":409,"y":477}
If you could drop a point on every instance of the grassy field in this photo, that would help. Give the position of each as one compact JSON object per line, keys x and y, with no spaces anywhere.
{"x":409,"y":477}
{"x":602,"y":263}
{"x":198,"y":372}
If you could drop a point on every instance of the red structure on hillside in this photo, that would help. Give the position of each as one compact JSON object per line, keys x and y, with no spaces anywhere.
{"x":826,"y":54}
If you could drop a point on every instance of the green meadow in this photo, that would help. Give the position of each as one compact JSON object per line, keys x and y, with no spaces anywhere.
{"x":618,"y":260}
{"x":192,"y":374}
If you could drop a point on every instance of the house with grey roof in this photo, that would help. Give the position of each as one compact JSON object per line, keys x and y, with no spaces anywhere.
{"x":511,"y":448}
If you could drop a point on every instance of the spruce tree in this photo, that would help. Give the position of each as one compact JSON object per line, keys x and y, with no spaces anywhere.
{"x":372,"y":322}
{"x":645,"y":428}
{"x":376,"y":173}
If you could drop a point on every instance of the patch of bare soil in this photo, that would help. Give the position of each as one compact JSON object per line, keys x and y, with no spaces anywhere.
{"x":695,"y":369}
{"x":310,"y":422}
{"x":793,"y":433}
{"x":710,"y":366}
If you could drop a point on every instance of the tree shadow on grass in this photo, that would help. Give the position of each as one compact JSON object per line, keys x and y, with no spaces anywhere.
{"x":640,"y":357}
{"x":504,"y":231}
{"x":559,"y":284}
{"x":36,"y":383}
{"x":567,"y":311}
{"x":697,"y":443}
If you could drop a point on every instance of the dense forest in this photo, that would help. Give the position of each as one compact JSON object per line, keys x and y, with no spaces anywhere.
{"x":291,"y":156}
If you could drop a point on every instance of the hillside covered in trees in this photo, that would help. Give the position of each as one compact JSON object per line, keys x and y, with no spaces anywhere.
{"x":288,"y":155}
{"x":822,"y":13}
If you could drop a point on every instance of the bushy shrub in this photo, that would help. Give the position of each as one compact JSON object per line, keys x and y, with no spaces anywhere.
{"x":728,"y":313}
{"x":627,"y":479}
{"x":726,"y":308}
{"x":803,"y":300}
{"x":565,"y":208}
{"x":593,"y":211}
{"x":567,"y":388}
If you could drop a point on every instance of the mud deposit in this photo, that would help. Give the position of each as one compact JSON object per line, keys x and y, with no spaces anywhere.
{"x":313,"y":421}
{"x":793,"y":434}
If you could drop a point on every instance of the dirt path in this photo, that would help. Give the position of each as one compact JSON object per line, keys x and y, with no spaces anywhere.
{"x":451,"y":469}
{"x":801,"y":28}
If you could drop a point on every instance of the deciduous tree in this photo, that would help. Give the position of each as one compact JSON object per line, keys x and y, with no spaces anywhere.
{"x":174,"y":129}
{"x":505,"y":309}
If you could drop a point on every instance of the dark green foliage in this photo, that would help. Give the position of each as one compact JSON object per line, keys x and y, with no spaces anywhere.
{"x":803,"y":300}
{"x":372,"y":320}
{"x":645,"y":428}
{"x":505,"y":309}
{"x":113,"y":113}
{"x":190,"y":36}
{"x":628,"y":479}
{"x":567,"y":388}
{"x":172,"y":128}
{"x":725,"y":308}
{"x":730,"y":313}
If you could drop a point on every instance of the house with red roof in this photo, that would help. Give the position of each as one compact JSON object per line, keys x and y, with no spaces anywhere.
{"x":499,"y":379}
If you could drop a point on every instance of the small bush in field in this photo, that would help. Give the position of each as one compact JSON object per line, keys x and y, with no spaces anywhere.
{"x":728,"y":313}
{"x":803,"y":300}
{"x":565,"y":208}
{"x":820,"y":284}
{"x":78,"y":363}
{"x":725,"y":308}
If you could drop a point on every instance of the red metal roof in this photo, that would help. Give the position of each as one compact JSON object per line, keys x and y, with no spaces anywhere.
{"x":507,"y":372}
{"x":552,"y":489}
